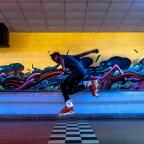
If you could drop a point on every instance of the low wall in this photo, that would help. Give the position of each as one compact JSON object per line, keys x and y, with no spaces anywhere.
{"x":120,"y":103}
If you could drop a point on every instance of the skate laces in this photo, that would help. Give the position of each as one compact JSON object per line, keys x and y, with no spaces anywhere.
{"x":69,"y":103}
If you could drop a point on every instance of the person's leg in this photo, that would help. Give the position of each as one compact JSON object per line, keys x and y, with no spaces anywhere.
{"x":93,"y":84}
{"x":71,"y":86}
{"x":68,"y":86}
{"x":64,"y":89}
{"x":74,"y":84}
{"x":68,"y":109}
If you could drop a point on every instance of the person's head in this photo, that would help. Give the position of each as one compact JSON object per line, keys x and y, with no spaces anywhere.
{"x":56,"y":57}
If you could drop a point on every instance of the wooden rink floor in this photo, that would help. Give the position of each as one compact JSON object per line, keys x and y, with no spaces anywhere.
{"x":116,"y":131}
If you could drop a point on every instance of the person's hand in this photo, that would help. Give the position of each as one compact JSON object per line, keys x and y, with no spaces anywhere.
{"x":66,"y":70}
{"x":95,"y":51}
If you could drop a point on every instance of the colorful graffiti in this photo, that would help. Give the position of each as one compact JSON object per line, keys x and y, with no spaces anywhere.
{"x":114,"y":73}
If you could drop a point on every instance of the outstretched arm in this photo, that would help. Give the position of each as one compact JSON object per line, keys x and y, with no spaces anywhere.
{"x":86,"y":53}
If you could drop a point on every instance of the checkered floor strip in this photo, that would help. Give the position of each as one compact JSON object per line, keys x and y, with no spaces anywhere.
{"x":72,"y":133}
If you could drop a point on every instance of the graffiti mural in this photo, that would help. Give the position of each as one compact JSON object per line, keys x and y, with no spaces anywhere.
{"x":114,"y":73}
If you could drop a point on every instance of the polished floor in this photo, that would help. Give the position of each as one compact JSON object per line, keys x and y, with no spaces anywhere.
{"x":39,"y":132}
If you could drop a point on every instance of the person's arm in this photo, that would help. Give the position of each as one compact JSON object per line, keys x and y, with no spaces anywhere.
{"x":63,"y":65}
{"x":86,"y":53}
{"x":72,"y":62}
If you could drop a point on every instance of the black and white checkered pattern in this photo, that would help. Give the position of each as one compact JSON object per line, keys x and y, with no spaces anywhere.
{"x":72,"y":133}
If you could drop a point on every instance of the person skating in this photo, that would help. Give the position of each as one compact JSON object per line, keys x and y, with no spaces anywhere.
{"x":71,"y":84}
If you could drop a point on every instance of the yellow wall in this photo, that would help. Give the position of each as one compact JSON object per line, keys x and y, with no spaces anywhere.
{"x":32,"y":48}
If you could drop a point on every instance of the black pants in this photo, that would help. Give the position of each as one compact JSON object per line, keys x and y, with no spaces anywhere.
{"x":70,"y":84}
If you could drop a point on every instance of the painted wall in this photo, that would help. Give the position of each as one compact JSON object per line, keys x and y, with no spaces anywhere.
{"x":32,"y":48}
{"x":118,"y":57}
